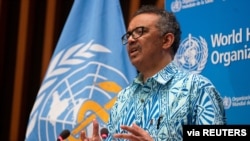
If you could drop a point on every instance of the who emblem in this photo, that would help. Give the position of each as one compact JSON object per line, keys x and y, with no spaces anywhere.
{"x":176,"y":6}
{"x":192,"y":54}
{"x":75,"y":91}
{"x":227,"y":102}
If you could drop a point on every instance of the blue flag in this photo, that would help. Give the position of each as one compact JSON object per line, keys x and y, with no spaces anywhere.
{"x":87,"y":70}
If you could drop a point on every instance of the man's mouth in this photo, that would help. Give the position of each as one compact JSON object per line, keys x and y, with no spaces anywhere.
{"x":133,"y":50}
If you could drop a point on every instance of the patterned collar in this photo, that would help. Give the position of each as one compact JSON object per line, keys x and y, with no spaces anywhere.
{"x":162,"y":77}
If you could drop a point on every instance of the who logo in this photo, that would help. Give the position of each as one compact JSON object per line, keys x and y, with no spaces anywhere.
{"x":192,"y":54}
{"x":77,"y":89}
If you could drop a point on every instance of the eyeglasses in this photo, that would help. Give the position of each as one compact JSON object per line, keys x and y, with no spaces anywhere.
{"x":135,"y":33}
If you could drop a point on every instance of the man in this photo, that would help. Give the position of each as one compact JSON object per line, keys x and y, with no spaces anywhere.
{"x":163,"y":97}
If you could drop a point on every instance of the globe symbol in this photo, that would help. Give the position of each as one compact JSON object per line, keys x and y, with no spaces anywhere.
{"x":192,"y":54}
{"x":73,"y":94}
{"x":68,"y":95}
{"x":176,"y":6}
{"x":227,"y":102}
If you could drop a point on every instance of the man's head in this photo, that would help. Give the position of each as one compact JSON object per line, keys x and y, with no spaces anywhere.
{"x":167,"y":23}
{"x":152,"y":38}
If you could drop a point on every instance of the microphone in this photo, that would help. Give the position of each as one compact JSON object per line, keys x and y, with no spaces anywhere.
{"x":104,"y":133}
{"x":63,"y":135}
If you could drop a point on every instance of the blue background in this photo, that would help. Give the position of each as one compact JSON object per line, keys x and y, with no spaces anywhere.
{"x":222,"y":16}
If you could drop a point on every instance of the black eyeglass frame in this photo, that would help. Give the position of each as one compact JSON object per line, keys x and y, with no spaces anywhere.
{"x":135,"y":33}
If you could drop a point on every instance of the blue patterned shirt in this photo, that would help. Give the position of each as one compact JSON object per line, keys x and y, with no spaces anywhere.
{"x":165,"y":102}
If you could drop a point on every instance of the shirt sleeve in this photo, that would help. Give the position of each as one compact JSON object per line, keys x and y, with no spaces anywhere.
{"x":208,"y":106}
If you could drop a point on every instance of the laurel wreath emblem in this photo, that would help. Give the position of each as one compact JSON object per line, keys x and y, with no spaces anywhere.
{"x":62,"y":63}
{"x":203,"y":61}
{"x":202,"y":50}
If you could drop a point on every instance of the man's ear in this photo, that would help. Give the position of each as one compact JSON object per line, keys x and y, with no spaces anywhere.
{"x":168,"y":40}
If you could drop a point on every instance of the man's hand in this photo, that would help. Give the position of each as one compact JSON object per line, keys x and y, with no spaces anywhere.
{"x":135,"y":134}
{"x":95,"y":135}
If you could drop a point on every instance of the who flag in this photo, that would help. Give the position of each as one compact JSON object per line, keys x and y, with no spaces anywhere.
{"x":88,"y":68}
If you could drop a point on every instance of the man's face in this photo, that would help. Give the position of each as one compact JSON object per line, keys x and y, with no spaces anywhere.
{"x":144,"y":51}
